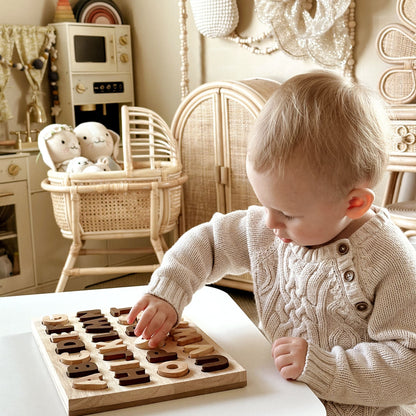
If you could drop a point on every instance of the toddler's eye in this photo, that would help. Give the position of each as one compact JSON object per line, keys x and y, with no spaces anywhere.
{"x":288,"y":217}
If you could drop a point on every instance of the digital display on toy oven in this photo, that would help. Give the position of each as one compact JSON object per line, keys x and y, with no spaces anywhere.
{"x":89,"y":48}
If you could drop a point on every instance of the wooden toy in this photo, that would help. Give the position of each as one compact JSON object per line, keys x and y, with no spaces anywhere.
{"x":98,"y":364}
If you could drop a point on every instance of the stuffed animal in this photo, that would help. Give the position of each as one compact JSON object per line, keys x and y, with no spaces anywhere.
{"x":98,"y":143}
{"x":58,"y":144}
{"x":83,"y":165}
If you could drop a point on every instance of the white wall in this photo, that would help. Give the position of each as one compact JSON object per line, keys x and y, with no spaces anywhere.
{"x":157,"y":62}
{"x":155,"y":32}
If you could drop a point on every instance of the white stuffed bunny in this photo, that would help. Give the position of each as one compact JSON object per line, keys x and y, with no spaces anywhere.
{"x":82,"y":165}
{"x":98,"y":143}
{"x":58,"y":144}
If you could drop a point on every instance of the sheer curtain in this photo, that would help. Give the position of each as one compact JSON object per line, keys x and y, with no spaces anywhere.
{"x":30,"y":43}
{"x":6,"y":51}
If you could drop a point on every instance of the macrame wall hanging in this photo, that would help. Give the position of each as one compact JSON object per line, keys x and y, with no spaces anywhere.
{"x":322,"y":31}
{"x":34,"y":45}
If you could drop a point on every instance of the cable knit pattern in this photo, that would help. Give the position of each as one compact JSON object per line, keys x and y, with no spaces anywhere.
{"x":353,"y":300}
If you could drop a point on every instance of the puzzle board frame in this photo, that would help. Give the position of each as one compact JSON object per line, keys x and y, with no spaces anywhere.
{"x":82,"y":402}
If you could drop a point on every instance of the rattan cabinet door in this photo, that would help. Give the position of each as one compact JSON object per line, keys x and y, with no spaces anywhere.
{"x":195,"y":126}
{"x":212,"y":126}
{"x":238,"y":113}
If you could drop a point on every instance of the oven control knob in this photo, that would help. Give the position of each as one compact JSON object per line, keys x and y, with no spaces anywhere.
{"x":124,"y":40}
{"x":124,"y":58}
{"x":13,"y":169}
{"x":80,"y":88}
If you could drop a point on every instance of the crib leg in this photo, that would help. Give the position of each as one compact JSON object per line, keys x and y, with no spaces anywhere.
{"x":158,"y":247}
{"x":69,"y":264}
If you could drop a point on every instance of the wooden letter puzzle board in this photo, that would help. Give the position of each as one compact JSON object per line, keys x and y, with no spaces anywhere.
{"x":98,"y":364}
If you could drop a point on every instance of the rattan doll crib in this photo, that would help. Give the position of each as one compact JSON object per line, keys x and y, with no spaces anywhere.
{"x":141,"y":200}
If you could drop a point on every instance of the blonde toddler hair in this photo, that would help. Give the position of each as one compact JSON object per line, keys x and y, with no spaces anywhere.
{"x":338,"y":129}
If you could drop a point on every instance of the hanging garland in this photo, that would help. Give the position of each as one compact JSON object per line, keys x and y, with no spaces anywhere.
{"x":49,"y":50}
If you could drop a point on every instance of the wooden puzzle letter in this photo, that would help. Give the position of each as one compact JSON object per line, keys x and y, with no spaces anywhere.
{"x":159,"y":356}
{"x":132,"y":376}
{"x":91,"y":382}
{"x":55,"y":319}
{"x":113,"y":342}
{"x":75,"y":358}
{"x":122,"y":320}
{"x":212,"y":363}
{"x":97,"y":326}
{"x":124,"y":355}
{"x":120,"y":311}
{"x":90,"y":314}
{"x":96,"y":321}
{"x":123,"y":365}
{"x":113,"y":348}
{"x":143,"y":344}
{"x":182,"y":324}
{"x":106,"y":336}
{"x":58,"y":329}
{"x":81,"y":370}
{"x":130,"y":330}
{"x":198,"y":350}
{"x":65,"y":336}
{"x":173,"y":369}
{"x":185,"y":336}
{"x":70,"y":346}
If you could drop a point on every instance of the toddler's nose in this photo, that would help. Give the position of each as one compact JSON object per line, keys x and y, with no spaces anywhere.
{"x":274,"y":222}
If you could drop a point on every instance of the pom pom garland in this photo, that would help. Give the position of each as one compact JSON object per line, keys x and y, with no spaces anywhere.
{"x":38,"y":64}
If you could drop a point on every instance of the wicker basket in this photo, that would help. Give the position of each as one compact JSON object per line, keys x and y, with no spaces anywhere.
{"x":115,"y":204}
{"x":143,"y":199}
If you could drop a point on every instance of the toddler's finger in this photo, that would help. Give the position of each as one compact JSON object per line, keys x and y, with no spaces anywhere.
{"x":136,"y":309}
{"x":161,"y":334}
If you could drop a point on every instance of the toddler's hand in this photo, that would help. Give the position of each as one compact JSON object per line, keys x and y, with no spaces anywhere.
{"x":289,"y":354}
{"x":156,"y":321}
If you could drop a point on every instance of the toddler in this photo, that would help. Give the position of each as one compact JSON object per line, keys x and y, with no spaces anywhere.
{"x":334,"y":279}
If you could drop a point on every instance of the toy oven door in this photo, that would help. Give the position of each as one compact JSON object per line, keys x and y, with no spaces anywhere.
{"x":16,"y":257}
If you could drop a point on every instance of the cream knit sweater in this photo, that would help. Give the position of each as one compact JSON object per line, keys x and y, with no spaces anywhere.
{"x":353,"y":300}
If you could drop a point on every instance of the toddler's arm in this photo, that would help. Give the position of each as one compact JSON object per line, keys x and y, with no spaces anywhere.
{"x":156,"y":321}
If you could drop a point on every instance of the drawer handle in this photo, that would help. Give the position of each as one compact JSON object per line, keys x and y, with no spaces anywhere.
{"x":3,"y":195}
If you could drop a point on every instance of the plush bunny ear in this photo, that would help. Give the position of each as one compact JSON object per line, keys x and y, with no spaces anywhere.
{"x":215,"y":18}
{"x":116,"y":141}
{"x":43,"y":136}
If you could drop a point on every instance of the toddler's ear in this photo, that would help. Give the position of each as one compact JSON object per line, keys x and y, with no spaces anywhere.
{"x":359,"y":202}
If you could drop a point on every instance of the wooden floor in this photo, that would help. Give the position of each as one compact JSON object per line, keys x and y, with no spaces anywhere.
{"x":244,"y":299}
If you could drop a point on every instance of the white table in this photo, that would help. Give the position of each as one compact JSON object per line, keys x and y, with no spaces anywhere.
{"x":27,"y":389}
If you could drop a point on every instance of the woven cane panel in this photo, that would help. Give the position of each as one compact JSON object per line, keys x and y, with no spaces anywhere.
{"x":172,"y":200}
{"x":115,"y":211}
{"x":264,"y":87}
{"x":399,"y":85}
{"x":398,"y":43}
{"x":198,"y":161}
{"x":408,"y":10}
{"x":239,"y":122}
{"x":60,"y":212}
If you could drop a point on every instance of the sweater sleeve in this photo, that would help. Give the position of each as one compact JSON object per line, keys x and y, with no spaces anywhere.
{"x":382,"y":371}
{"x":202,"y":255}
